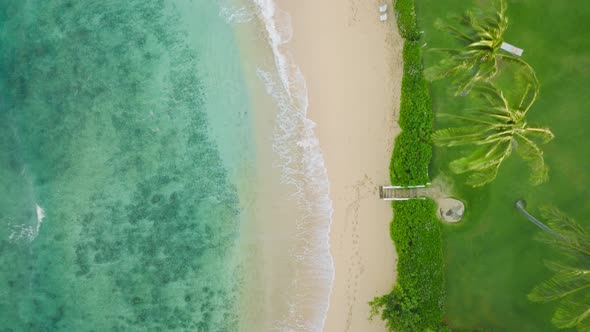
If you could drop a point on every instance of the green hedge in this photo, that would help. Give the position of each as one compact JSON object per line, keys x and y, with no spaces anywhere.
{"x":417,"y":299}
{"x":413,"y":150}
{"x":416,"y":302}
{"x":405,"y":15}
{"x":415,"y":105}
{"x":410,"y":159}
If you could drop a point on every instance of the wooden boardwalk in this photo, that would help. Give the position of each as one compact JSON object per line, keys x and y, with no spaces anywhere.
{"x":398,"y":193}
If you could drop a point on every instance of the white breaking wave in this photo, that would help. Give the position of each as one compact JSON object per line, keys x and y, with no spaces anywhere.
{"x":302,"y":166}
{"x":40,"y":215}
{"x":28,"y":232}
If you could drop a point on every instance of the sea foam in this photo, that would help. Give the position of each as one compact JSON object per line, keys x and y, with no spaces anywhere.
{"x":302,"y":167}
{"x":233,"y":14}
{"x":28,"y":232}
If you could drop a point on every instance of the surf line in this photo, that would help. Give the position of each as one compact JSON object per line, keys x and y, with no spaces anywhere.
{"x":302,"y":166}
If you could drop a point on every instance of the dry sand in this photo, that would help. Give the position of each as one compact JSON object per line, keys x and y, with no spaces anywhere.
{"x":352,"y":65}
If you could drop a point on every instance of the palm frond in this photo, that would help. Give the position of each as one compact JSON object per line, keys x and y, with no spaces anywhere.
{"x":439,"y":72}
{"x":482,"y":158}
{"x":483,"y":163}
{"x":530,"y":152}
{"x":560,"y":267}
{"x":482,"y":178}
{"x":478,"y":116}
{"x":545,"y":135}
{"x":572,"y":250}
{"x":527,"y":72}
{"x":573,"y":312}
{"x":578,"y":244}
{"x":498,"y":123}
{"x":459,"y":135}
{"x":562,"y":222}
{"x":494,"y":97}
{"x":571,"y":283}
{"x":481,"y":34}
{"x":565,"y":283}
{"x":459,"y":31}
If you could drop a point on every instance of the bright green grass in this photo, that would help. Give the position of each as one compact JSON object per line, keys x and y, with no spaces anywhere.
{"x":492,"y":260}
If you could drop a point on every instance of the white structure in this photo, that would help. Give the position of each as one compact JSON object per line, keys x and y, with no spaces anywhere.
{"x":383,"y":17}
{"x":383,"y":8}
{"x":511,"y":49}
{"x":400,"y":193}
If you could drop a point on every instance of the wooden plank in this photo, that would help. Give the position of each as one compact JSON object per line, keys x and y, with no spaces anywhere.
{"x":397,"y":193}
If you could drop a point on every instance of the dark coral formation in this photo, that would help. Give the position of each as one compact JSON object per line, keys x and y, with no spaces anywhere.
{"x":101,"y":120}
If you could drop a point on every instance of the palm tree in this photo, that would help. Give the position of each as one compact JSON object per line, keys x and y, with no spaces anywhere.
{"x":570,"y":285}
{"x":495,"y":129}
{"x":481,"y":35}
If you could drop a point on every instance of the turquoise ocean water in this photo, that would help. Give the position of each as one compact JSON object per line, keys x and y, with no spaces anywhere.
{"x":117,"y":207}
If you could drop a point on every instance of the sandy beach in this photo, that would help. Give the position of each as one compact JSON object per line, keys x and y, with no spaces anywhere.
{"x":352,"y":65}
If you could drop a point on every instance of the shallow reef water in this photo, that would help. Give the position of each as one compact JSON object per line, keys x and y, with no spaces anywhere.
{"x":102,"y":126}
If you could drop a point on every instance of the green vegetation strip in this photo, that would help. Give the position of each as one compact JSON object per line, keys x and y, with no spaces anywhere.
{"x":413,"y":149}
{"x":417,"y":300}
{"x":406,"y":19}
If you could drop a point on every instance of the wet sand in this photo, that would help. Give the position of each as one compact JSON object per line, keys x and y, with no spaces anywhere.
{"x":353,"y":68}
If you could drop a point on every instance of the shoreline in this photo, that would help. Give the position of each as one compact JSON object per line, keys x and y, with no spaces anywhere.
{"x":287,"y":266}
{"x":350,"y":61}
{"x":353,"y":67}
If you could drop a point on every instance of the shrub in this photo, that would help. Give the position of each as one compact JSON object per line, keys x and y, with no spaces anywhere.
{"x":417,"y":299}
{"x":405,"y":15}
{"x":410,"y":160}
{"x":415,"y":106}
{"x":413,"y":150}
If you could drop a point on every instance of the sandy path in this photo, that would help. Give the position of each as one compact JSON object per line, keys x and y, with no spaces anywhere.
{"x":352,"y":65}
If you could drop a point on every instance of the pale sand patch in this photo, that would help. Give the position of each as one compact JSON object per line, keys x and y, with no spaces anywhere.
{"x":353,"y":68}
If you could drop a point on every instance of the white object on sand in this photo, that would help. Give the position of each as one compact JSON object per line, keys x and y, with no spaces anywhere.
{"x":383,"y":17}
{"x":383,"y":8}
{"x":511,"y":49}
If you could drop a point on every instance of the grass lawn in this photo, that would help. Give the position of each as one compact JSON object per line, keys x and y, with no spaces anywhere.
{"x":492,"y":259}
